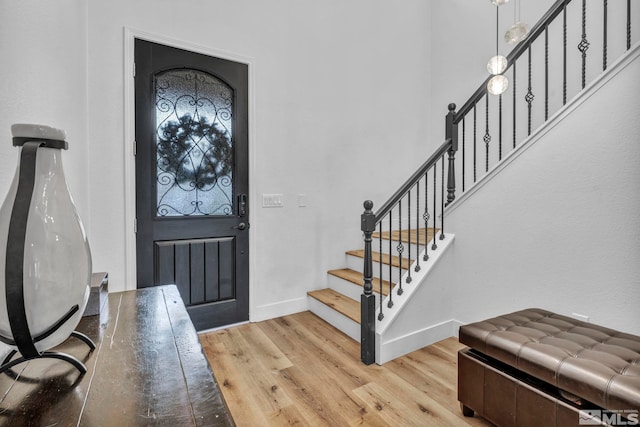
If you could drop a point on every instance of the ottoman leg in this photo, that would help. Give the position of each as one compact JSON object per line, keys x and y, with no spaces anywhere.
{"x":466,"y":411}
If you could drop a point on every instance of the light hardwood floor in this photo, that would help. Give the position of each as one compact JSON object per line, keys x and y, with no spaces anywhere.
{"x":299,"y":370}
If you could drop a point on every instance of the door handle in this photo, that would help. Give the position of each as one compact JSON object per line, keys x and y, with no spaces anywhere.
{"x":242,"y":205}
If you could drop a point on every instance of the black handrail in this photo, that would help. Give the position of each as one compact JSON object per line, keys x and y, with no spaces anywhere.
{"x":521,"y":48}
{"x":417,"y":175}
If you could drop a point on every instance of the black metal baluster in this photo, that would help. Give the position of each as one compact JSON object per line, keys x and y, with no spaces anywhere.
{"x":464,"y":135}
{"x":417,"y":226}
{"x":381,"y":296}
{"x":514,"y":105}
{"x":546,"y":72}
{"x":409,"y":279}
{"x":475,"y":122}
{"x":390,"y":303}
{"x":529,"y":96}
{"x":604,"y":38}
{"x":564,"y":53}
{"x":442,"y":198}
{"x":434,"y":246}
{"x":399,"y":248}
{"x":583,"y":46}
{"x":425,"y":216}
{"x":628,"y":24}
{"x":487,"y":136}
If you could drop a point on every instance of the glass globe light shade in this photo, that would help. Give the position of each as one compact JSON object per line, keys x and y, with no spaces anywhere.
{"x":516,"y":33}
{"x":499,"y":2}
{"x":497,"y":65}
{"x":497,"y":85}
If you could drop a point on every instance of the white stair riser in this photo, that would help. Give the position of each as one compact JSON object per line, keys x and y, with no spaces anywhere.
{"x":345,"y":287}
{"x":356,"y":263}
{"x":338,"y":320}
{"x":348,"y":288}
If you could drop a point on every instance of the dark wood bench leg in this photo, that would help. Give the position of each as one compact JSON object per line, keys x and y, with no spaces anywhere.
{"x":466,"y":411}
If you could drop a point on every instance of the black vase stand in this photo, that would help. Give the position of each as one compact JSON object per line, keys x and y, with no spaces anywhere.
{"x":22,"y":339}
{"x":8,"y":363}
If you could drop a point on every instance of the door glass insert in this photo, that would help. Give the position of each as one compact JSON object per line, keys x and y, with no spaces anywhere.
{"x":194,"y":144}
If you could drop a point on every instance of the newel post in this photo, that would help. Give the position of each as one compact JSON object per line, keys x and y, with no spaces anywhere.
{"x":368,"y":299}
{"x":451,"y":133}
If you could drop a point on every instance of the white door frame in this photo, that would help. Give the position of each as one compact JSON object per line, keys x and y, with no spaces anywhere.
{"x":129,"y":145}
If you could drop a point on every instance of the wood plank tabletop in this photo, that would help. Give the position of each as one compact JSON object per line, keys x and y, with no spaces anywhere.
{"x":148,"y":368}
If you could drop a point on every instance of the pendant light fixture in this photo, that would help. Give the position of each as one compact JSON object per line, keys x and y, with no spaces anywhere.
{"x":497,"y":64}
{"x":518,"y":31}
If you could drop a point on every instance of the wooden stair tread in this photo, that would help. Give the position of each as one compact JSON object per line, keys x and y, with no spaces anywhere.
{"x":413,"y":233}
{"x":393,"y":260}
{"x":357,"y":278}
{"x":341,"y":303}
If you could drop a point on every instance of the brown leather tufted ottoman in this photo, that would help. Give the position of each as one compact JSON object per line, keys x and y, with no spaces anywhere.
{"x":537,"y":368}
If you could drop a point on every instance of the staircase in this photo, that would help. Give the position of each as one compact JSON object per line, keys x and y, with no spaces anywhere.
{"x":339,"y":303}
{"x":383,"y":306}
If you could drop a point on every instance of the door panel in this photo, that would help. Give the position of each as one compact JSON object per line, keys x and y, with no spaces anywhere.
{"x":202,"y":268}
{"x":192,"y":180}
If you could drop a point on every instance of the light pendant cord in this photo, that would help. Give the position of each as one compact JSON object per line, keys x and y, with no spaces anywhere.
{"x":497,"y":13}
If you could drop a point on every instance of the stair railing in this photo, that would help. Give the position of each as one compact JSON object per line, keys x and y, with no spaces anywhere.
{"x":551,"y":77}
{"x":420,"y":195}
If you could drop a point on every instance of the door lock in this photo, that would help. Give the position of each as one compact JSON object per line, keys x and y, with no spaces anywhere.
{"x":242,"y":205}
{"x":242,"y":226}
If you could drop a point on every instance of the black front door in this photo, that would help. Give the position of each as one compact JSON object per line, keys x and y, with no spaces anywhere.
{"x":192,"y":180}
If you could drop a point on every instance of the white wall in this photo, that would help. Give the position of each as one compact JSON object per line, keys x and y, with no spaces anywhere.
{"x":340,"y":96}
{"x":43,"y":77}
{"x":333,"y":83}
{"x":558,"y":228}
{"x":464,"y":38}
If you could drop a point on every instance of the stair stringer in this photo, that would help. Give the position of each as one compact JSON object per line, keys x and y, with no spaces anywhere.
{"x":422,"y":314}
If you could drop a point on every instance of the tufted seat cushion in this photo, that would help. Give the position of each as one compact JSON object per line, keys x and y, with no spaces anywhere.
{"x":596,"y":364}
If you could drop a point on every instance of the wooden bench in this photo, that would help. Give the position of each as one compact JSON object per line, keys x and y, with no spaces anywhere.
{"x":148,"y":368}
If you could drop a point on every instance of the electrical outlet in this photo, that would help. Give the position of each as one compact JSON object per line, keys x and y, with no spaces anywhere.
{"x":272,"y":201}
{"x":302,"y":200}
{"x":580,"y":317}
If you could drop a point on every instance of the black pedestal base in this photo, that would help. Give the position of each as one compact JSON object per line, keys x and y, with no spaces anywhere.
{"x":7,"y":363}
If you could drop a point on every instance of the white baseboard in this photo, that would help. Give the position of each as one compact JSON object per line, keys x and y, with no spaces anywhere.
{"x":279,"y":309}
{"x":455,"y":327}
{"x":413,"y":341}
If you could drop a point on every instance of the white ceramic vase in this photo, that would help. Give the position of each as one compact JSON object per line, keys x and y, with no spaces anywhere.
{"x":56,"y":268}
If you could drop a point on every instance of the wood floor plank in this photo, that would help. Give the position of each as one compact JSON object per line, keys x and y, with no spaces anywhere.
{"x":264,"y":349}
{"x":299,"y":370}
{"x":416,"y":411}
{"x":237,"y":392}
{"x":288,"y":416}
{"x":318,"y":364}
{"x":258,"y":377}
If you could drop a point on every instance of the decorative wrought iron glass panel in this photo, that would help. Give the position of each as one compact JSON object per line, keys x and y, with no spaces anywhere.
{"x":194,"y":144}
